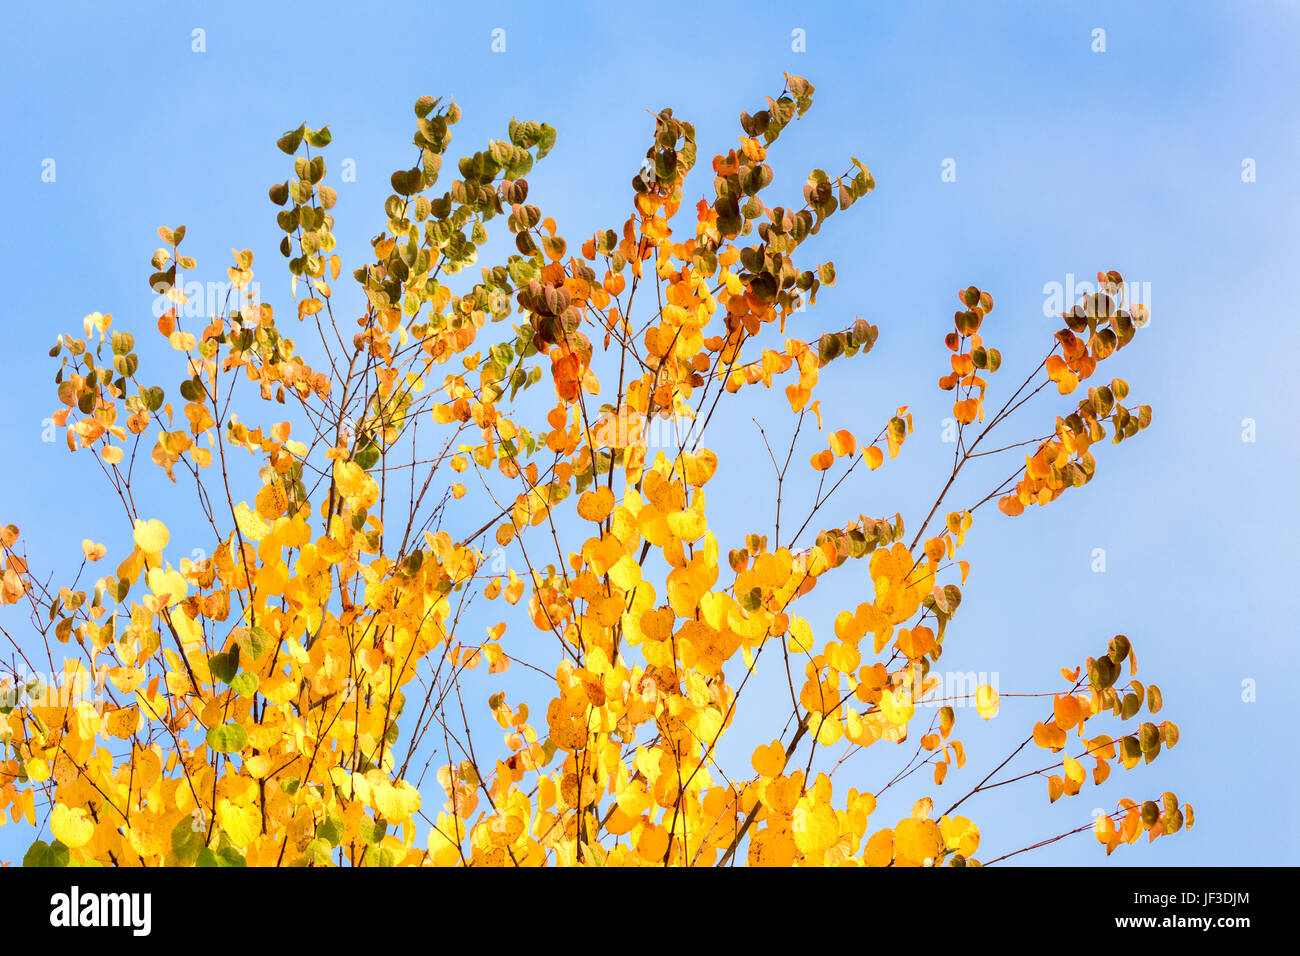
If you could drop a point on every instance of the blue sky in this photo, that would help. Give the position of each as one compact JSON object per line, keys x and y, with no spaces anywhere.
{"x":1067,"y":161}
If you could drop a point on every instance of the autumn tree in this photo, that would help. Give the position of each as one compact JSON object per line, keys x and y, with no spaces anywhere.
{"x":321,"y":688}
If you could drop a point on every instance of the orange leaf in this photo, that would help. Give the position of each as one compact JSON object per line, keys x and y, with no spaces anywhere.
{"x":596,"y":505}
{"x":843,"y":443}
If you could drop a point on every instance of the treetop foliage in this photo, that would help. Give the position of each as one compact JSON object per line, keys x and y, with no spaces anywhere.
{"x":283,"y":700}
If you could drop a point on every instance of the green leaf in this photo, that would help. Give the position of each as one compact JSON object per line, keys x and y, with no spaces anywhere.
{"x":41,"y":854}
{"x":1149,"y":737}
{"x":318,"y":852}
{"x":289,"y":142}
{"x":367,"y":456}
{"x":1102,"y":673}
{"x":186,"y":841}
{"x":225,"y":666}
{"x":1129,"y":706}
{"x":545,"y":140}
{"x":330,"y":830}
{"x":227,"y":739}
{"x":1118,"y":649}
{"x":407,"y":182}
{"x":254,"y":642}
{"x":829,"y":348}
{"x":228,"y":856}
{"x":192,"y":390}
{"x":372,"y":831}
{"x":245,"y":684}
{"x":378,"y":856}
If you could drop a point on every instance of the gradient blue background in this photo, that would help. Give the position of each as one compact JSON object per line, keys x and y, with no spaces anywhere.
{"x":1068,"y":161}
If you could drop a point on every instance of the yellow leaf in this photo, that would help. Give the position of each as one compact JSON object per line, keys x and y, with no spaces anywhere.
{"x":917,"y":842}
{"x":898,"y":709}
{"x":827,"y":727}
{"x":771,"y":848}
{"x":801,"y":636}
{"x":1074,"y":770}
{"x":445,"y":837}
{"x":880,"y":849}
{"x":151,"y":536}
{"x":845,"y":658}
{"x":146,"y":843}
{"x":271,"y":501}
{"x":814,"y":826}
{"x":698,"y":469}
{"x":241,"y":824}
{"x":987,"y":701}
{"x":687,"y":525}
{"x":653,"y":844}
{"x":625,"y":573}
{"x":960,"y":834}
{"x":1055,"y":787}
{"x":169,"y":584}
{"x":71,"y":826}
{"x":357,"y":487}
{"x":515,"y":589}
{"x":397,"y":802}
{"x":123,"y":722}
{"x":126,"y":679}
{"x":769,"y":759}
{"x":251,"y":525}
